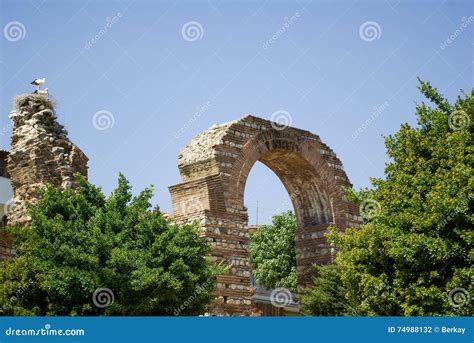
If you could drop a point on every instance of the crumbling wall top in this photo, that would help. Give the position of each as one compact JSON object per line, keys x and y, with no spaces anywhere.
{"x":201,"y":146}
{"x":41,"y":153}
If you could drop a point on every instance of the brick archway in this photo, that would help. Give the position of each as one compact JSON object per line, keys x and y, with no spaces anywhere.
{"x":214,"y":169}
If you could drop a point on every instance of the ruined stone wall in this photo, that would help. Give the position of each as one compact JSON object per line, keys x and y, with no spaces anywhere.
{"x":41,"y":153}
{"x":214,"y":169}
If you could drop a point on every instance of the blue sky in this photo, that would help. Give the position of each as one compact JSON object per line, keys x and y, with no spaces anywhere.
{"x":346,"y":84}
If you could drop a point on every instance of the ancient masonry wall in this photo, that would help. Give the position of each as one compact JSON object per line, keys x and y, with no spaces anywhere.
{"x":214,"y":168}
{"x":41,"y":153}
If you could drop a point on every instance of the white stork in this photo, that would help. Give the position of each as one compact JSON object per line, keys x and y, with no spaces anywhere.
{"x":41,"y":91}
{"x":38,"y":82}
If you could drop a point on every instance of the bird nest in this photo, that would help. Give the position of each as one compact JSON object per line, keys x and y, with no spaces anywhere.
{"x":24,"y":101}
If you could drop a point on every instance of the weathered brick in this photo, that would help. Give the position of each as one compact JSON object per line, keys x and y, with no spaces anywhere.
{"x":41,"y":153}
{"x":214,"y":169}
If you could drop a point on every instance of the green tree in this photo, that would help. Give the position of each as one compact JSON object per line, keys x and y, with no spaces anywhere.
{"x":413,"y":254}
{"x":273,"y":253}
{"x":82,"y":249}
{"x":327,"y":296}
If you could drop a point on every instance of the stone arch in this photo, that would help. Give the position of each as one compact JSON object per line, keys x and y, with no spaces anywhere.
{"x":214,"y":169}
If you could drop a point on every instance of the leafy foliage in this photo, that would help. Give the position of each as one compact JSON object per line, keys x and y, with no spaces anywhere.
{"x":273,"y":253}
{"x":327,"y":296}
{"x":80,"y":240}
{"x":406,"y":259}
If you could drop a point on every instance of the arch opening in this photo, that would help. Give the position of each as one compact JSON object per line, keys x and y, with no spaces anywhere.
{"x":264,"y":195}
{"x":310,"y":200}
{"x":302,"y":193}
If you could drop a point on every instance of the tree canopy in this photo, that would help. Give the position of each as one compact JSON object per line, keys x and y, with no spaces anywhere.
{"x":87,"y":254}
{"x":327,"y":296}
{"x":413,"y":253}
{"x":273,"y":253}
